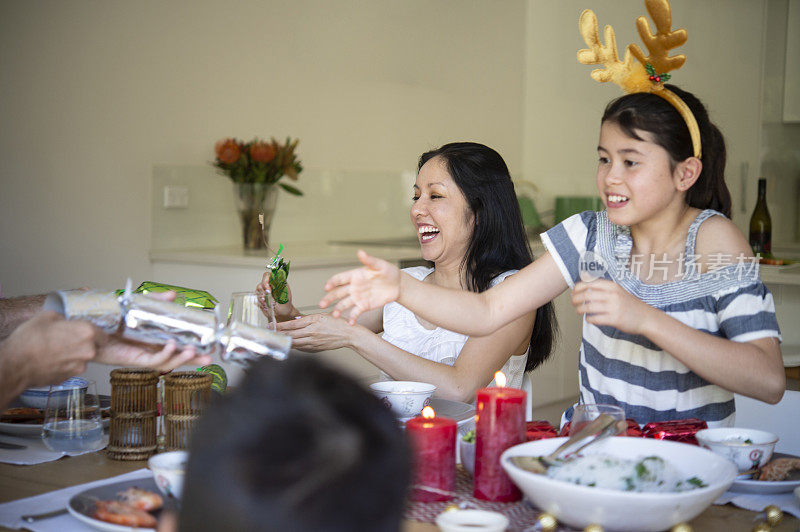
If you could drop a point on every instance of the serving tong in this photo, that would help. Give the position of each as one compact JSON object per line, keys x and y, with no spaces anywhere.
{"x":598,"y":429}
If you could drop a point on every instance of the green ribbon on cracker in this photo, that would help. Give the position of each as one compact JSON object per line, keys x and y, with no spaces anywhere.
{"x":278,"y":275}
{"x":188,"y":297}
{"x":219,"y":379}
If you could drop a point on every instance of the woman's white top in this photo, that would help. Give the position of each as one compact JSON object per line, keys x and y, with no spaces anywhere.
{"x":402,"y":329}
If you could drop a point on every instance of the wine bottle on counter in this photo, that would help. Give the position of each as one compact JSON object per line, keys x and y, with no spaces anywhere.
{"x":761,"y":223}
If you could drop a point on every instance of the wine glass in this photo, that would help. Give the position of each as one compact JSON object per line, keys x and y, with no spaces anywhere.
{"x":584,"y":414}
{"x":245,"y":308}
{"x":72,"y":420}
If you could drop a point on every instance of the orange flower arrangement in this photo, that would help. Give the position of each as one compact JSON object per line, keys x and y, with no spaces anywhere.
{"x":259,"y":161}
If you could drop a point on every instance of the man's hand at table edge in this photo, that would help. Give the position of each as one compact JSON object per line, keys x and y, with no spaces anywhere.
{"x":47,"y":349}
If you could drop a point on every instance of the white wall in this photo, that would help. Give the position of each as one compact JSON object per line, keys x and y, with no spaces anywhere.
{"x":95,"y":93}
{"x":563,"y":105}
{"x":780,"y":142}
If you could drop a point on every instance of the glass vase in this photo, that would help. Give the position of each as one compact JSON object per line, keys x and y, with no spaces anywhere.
{"x":253,"y":199}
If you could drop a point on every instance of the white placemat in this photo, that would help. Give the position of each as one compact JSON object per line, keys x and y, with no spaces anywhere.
{"x":35,"y":452}
{"x":11,"y":512}
{"x":756,"y":502}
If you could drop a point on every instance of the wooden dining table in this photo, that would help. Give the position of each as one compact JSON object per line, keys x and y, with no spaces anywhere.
{"x":17,"y":482}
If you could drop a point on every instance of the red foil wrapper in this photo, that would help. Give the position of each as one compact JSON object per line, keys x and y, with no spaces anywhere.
{"x":680,"y":430}
{"x":539,"y":430}
{"x":633,"y":429}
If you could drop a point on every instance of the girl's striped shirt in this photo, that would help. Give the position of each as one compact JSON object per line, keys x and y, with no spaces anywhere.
{"x":629,"y":370}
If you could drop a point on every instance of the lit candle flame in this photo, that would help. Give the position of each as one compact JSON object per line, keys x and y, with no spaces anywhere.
{"x":428,"y":413}
{"x":500,"y":379}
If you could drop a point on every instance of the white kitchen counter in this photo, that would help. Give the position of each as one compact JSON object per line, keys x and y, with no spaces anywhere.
{"x":324,"y":254}
{"x":781,"y":275}
{"x":303,"y":255}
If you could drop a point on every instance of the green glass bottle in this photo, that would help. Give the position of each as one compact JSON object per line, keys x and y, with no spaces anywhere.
{"x":761,"y":223}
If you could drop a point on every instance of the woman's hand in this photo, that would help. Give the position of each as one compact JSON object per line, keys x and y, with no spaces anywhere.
{"x":362,"y":289}
{"x":120,"y":352}
{"x":283,"y":311}
{"x":317,"y":332}
{"x":607,"y":303}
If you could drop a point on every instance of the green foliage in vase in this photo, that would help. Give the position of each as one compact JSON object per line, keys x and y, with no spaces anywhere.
{"x":259,"y":161}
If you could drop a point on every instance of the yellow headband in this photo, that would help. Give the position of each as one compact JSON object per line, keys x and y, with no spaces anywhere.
{"x":650,"y":72}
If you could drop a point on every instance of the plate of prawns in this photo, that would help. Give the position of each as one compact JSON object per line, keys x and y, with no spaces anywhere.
{"x":119,"y":507}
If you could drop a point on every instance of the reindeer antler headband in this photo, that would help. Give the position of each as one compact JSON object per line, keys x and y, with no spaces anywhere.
{"x":650,"y":72}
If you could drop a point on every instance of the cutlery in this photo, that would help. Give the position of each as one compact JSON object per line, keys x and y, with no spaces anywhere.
{"x":48,"y":515}
{"x":9,"y":445}
{"x":598,"y":429}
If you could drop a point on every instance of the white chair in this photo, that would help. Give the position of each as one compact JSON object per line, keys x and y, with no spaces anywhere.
{"x":782,"y":419}
{"x":527,"y":387}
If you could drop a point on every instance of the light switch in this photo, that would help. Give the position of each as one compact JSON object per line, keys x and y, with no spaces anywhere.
{"x":176,"y":197}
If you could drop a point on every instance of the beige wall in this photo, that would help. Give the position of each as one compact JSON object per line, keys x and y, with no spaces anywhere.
{"x":563,"y":105}
{"x":94,"y":94}
{"x":780,"y":142}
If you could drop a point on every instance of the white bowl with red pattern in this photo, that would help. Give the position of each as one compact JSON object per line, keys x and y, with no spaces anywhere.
{"x":747,"y":448}
{"x":405,"y":398}
{"x":169,"y":469}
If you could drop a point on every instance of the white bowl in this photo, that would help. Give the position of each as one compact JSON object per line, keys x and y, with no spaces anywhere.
{"x":471,"y":521}
{"x":404,"y":398}
{"x":37,"y":397}
{"x":747,"y":448}
{"x":169,"y":470}
{"x":797,"y":494}
{"x":580,"y":506}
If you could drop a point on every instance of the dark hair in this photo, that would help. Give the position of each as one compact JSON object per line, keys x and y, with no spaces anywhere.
{"x":297,"y":446}
{"x":654,"y":114}
{"x":498,"y":239}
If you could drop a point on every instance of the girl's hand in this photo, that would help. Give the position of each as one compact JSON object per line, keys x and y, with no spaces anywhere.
{"x":283,"y":311}
{"x":362,"y":289}
{"x":317,"y":332}
{"x":607,"y":303}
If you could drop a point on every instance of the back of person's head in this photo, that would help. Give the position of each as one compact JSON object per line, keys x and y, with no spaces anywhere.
{"x":498,"y":242}
{"x":651,"y":113}
{"x":298,"y":446}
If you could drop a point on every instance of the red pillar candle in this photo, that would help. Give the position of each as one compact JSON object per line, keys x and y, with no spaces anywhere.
{"x":499,"y":424}
{"x":433,"y":444}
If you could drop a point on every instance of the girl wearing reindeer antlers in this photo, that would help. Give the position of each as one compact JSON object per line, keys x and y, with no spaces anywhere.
{"x":675,"y":317}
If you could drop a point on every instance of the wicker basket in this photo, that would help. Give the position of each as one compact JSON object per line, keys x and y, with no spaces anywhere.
{"x":132,"y":431}
{"x":186,"y":394}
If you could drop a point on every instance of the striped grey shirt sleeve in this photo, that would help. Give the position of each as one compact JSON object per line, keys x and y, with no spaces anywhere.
{"x":747,"y":313}
{"x":567,"y":241}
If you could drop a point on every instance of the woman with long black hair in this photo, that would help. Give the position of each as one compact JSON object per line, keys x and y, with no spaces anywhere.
{"x":470,"y":228}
